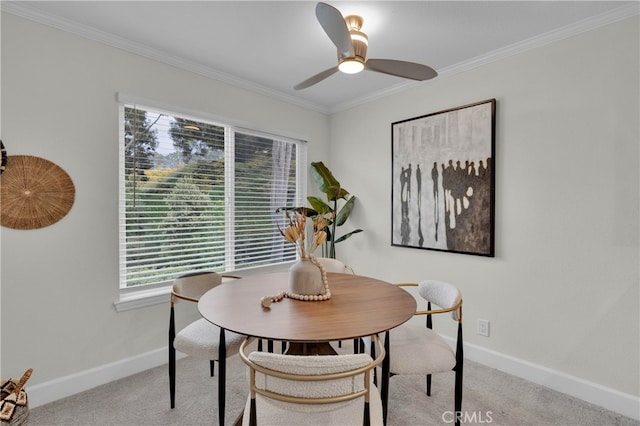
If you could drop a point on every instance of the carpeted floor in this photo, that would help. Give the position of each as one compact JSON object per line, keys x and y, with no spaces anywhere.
{"x":490,"y":397}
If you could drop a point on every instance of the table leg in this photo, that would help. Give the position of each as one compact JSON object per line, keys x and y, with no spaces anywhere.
{"x":372,"y":344}
{"x":384,"y":388}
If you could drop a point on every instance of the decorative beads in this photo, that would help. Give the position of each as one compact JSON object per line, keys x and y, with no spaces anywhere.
{"x":325,"y":295}
{"x":267,"y":300}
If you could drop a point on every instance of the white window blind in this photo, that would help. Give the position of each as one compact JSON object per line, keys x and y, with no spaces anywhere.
{"x":197,"y":195}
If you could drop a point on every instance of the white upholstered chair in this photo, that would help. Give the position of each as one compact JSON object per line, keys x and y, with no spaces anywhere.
{"x":418,"y":349}
{"x":200,"y":339}
{"x":314,"y":390}
{"x":334,"y":265}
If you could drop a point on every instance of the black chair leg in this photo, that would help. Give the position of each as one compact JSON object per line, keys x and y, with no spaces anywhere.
{"x":222,"y":375}
{"x":367,"y":416}
{"x":373,"y":356}
{"x":252,"y":413}
{"x":428,"y":384}
{"x":172,"y":361}
{"x":458,"y":393}
{"x":459,"y":369}
{"x":384,"y":388}
{"x":212,"y":365}
{"x":358,"y":346}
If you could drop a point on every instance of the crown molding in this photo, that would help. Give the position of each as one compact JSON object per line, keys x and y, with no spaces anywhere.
{"x":540,"y":40}
{"x":25,"y":11}
{"x":547,"y":38}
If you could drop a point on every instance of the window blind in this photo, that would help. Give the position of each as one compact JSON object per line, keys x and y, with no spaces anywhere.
{"x":197,"y":195}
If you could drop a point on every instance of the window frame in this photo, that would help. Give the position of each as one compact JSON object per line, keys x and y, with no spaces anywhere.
{"x":151,"y":294}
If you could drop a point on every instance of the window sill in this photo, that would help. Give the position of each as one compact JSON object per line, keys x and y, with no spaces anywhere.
{"x":134,"y":299}
{"x":142,"y":298}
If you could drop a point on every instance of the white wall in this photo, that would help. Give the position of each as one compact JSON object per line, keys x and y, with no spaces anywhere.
{"x":562,"y":291}
{"x":59,"y":282}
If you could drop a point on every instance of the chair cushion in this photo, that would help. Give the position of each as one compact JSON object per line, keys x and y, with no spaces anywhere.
{"x":415,"y":349}
{"x":348,"y":413}
{"x":442,"y":294}
{"x":201,"y":339}
{"x":193,"y":286}
{"x":333,"y":265}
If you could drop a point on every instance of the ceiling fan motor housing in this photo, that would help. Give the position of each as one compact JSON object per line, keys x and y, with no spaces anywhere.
{"x":359,"y":40}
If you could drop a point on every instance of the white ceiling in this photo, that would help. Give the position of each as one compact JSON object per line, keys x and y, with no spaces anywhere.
{"x":270,"y":46}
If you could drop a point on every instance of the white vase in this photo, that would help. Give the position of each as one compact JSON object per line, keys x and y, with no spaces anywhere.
{"x":305,"y":278}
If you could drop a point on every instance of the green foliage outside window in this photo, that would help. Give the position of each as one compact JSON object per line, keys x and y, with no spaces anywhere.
{"x":174,"y":194}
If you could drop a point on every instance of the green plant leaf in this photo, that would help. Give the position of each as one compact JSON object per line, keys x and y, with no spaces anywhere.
{"x":306,"y":210}
{"x":326,"y":182}
{"x":330,"y":186}
{"x":319,"y":205}
{"x":345,"y":236}
{"x":345,"y":211}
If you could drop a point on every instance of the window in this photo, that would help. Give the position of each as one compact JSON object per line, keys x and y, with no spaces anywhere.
{"x":199,"y":195}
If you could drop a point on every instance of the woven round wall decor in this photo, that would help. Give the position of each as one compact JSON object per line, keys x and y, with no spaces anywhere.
{"x":34,"y":193}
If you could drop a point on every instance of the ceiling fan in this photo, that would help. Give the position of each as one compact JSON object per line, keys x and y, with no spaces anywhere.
{"x":352,"y":50}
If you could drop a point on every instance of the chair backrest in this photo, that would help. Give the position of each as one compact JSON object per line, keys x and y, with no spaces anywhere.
{"x":295,"y":383}
{"x":443,"y":294}
{"x":334,"y":265}
{"x":192,"y":286}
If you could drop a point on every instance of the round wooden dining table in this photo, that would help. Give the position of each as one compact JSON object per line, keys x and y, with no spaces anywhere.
{"x":359,"y":306}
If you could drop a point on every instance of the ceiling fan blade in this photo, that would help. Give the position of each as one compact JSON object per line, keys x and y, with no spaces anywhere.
{"x":401,"y":69}
{"x":333,"y":24}
{"x":316,"y":78}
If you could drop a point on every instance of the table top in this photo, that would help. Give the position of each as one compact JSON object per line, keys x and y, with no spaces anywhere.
{"x":359,"y":306}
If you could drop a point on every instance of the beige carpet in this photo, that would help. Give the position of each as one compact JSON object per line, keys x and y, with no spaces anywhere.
{"x":490,"y":397}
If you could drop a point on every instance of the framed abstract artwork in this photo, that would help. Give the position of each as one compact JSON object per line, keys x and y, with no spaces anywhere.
{"x":443,"y":180}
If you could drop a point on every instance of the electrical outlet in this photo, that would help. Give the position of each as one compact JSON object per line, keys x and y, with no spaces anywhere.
{"x":483,"y":327}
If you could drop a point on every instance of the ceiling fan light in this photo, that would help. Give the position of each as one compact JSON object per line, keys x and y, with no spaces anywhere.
{"x":351,"y":66}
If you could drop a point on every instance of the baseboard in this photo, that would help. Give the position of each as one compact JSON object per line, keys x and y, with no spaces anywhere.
{"x":54,"y":390}
{"x":607,"y":398}
{"x":610,"y":399}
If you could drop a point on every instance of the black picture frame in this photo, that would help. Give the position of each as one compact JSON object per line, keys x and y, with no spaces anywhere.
{"x":443,"y":180}
{"x":3,"y":161}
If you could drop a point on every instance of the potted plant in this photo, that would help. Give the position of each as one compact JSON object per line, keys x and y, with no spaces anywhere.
{"x":327,"y":215}
{"x":332,"y":213}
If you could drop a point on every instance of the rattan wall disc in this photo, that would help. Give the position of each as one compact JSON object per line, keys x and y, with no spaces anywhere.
{"x":34,"y":193}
